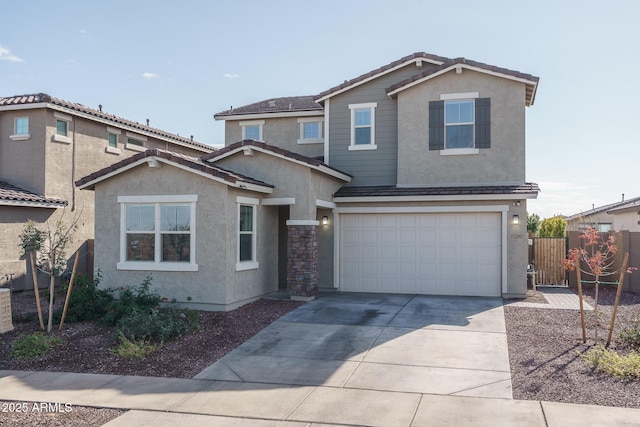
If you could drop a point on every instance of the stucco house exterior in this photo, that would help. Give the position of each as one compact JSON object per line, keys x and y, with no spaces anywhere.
{"x":612,"y":216}
{"x":46,"y":144}
{"x":407,"y":179}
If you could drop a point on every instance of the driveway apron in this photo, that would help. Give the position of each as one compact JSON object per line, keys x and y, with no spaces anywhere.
{"x":407,"y":343}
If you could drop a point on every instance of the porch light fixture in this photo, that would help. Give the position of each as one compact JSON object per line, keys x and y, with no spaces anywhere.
{"x":516,"y":220}
{"x":325,"y":220}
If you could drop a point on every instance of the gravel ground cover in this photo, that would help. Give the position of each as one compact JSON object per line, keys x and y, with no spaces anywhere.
{"x":544,"y":347}
{"x":543,"y":351}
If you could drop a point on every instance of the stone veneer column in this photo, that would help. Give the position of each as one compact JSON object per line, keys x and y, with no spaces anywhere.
{"x":302,"y":261}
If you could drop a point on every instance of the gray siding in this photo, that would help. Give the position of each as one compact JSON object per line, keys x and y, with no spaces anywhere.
{"x":368,"y":167}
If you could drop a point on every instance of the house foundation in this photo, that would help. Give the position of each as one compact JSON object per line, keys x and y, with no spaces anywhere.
{"x":302,"y":261}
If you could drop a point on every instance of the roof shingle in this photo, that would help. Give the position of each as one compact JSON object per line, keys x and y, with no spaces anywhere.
{"x":391,"y":190}
{"x":43,"y":97}
{"x":10,"y":194}
{"x":275,"y":105}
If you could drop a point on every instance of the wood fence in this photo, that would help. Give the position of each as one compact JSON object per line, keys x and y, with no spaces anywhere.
{"x":547,"y":255}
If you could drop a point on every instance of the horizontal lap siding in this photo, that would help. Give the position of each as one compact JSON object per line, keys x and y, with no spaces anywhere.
{"x":368,"y":167}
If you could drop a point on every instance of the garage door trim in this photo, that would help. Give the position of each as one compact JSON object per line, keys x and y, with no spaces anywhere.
{"x":503,"y":209}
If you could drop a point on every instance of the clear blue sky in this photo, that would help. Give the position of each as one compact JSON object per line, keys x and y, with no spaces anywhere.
{"x":178,"y":63}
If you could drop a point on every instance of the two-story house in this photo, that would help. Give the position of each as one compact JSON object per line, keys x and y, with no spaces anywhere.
{"x":46,"y":144}
{"x":407,"y":179}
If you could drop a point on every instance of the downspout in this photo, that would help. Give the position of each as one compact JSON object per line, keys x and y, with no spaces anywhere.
{"x":73,"y":168}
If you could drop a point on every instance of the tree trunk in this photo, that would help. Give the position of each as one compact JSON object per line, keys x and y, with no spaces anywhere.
{"x":36,"y":290}
{"x":52,"y":284}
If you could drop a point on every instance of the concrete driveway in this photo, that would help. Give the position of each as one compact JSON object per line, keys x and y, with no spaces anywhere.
{"x":407,"y":343}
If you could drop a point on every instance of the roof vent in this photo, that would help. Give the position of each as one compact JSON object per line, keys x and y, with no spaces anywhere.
{"x":100,"y":107}
{"x":289,"y":106}
{"x":272,"y":103}
{"x":147,"y":122}
{"x":191,"y":138}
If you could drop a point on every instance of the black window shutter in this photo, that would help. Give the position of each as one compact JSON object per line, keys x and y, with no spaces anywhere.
{"x":483,"y":123}
{"x":436,"y":125}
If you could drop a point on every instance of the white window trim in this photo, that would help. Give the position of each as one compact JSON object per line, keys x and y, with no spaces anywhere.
{"x":371,"y":146}
{"x":134,"y":147}
{"x":466,"y":150}
{"x":117,"y":133}
{"x":65,"y":139}
{"x":253,"y":264}
{"x":20,"y":136}
{"x":456,"y":96}
{"x":259,"y":123}
{"x":320,"y":139}
{"x":190,"y":199}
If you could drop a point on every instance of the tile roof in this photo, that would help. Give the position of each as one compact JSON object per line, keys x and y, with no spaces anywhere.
{"x":43,"y":97}
{"x":608,"y":207}
{"x":391,"y":190}
{"x":373,"y":73}
{"x":194,"y":163}
{"x":270,"y":148}
{"x":275,"y":105}
{"x":463,"y":61}
{"x":12,"y":195}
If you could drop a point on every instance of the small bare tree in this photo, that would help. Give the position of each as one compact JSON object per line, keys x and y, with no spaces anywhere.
{"x":47,"y":252}
{"x":596,"y":258}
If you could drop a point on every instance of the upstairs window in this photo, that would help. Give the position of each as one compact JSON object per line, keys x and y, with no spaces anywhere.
{"x":62,"y":127}
{"x":363,"y":126}
{"x":460,"y":124}
{"x":252,"y":129}
{"x":310,"y":131}
{"x":113,"y":140}
{"x":62,"y":133}
{"x":20,"y":129}
{"x":135,"y":142}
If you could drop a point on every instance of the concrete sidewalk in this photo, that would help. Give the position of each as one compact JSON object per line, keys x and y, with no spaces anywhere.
{"x":168,"y":402}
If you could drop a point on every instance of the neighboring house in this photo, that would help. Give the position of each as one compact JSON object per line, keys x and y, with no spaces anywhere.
{"x":46,"y":144}
{"x":421,"y":189}
{"x":626,"y":216}
{"x":601,"y":217}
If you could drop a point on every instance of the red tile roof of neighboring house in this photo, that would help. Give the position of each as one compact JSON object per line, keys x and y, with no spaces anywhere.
{"x":12,"y":195}
{"x":44,"y":98}
{"x":531,"y":85}
{"x":274,"y":105}
{"x":393,"y":191}
{"x":191,"y":162}
{"x":348,"y":83}
{"x":223,"y":152}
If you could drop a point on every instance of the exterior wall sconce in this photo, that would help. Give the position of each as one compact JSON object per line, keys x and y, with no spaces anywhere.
{"x":516,"y":220}
{"x":325,"y":220}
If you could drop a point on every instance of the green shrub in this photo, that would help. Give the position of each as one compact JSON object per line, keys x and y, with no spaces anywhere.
{"x":631,"y":335}
{"x":131,"y":298}
{"x":133,"y":347}
{"x":34,"y":345}
{"x":87,"y":301}
{"x":610,"y":362}
{"x":157,"y":324}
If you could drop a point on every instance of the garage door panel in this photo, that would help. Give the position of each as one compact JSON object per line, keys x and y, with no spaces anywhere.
{"x":429,"y":253}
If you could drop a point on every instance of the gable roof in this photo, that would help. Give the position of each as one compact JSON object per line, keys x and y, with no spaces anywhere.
{"x":485,"y":192}
{"x":630,"y":205}
{"x":250,"y":144}
{"x":274,"y":107}
{"x":531,"y":82}
{"x":349,"y":84}
{"x":42,"y":100}
{"x":192,"y":164}
{"x":603,"y":208}
{"x":11,"y":195}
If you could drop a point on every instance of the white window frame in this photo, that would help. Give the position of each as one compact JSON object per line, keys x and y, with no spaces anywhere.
{"x":157,"y":264}
{"x":57,"y":137}
{"x":136,"y":137}
{"x":20,"y":136}
{"x":372,"y":107}
{"x":109,"y":148}
{"x":253,"y":263}
{"x":320,"y":138}
{"x":464,"y":96}
{"x":259,"y":123}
